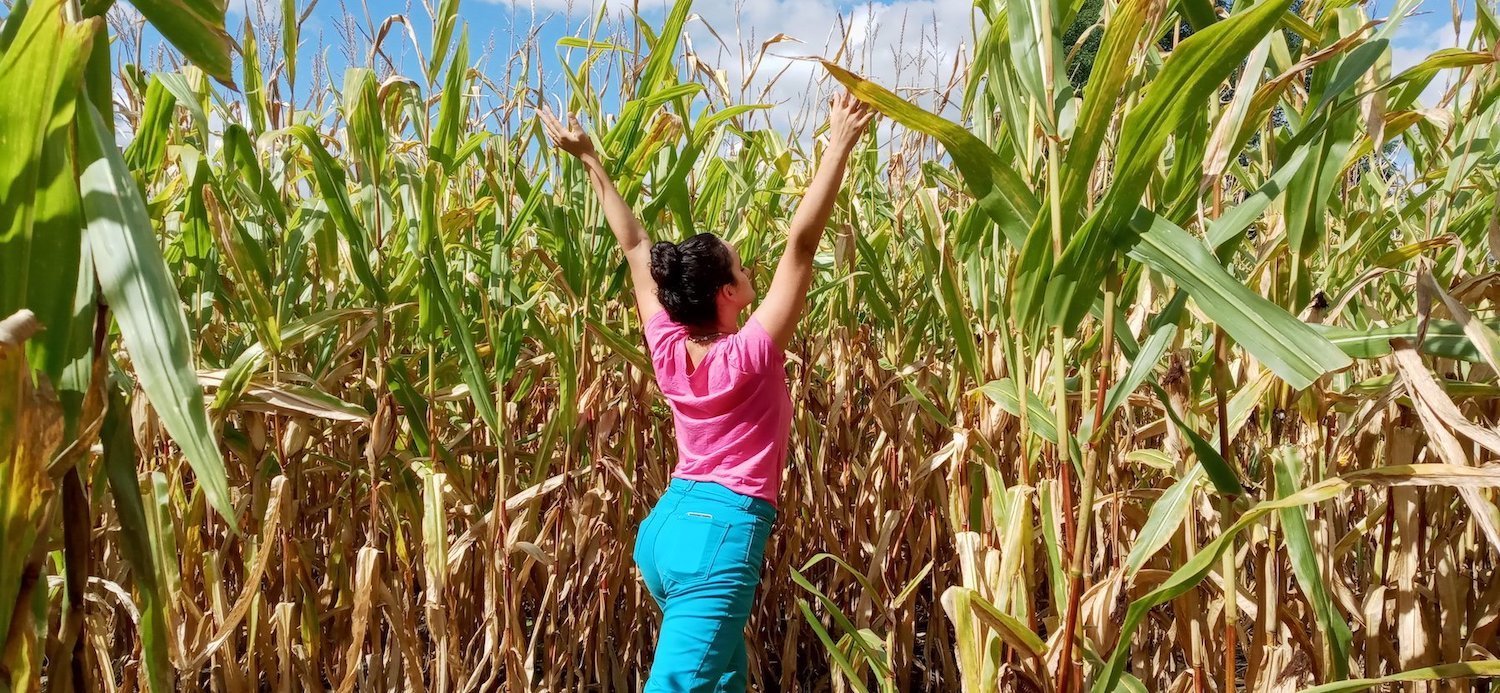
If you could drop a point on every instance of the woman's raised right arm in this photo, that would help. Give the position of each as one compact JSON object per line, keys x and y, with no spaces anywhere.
{"x":622,"y":221}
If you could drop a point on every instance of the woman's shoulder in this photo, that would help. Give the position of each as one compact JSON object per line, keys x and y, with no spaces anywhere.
{"x":755,"y":350}
{"x":660,"y":328}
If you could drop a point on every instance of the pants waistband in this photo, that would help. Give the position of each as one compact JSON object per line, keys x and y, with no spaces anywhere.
{"x":723,"y":494}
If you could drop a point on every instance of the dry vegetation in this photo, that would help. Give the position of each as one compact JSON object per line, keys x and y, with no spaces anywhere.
{"x":384,"y":331}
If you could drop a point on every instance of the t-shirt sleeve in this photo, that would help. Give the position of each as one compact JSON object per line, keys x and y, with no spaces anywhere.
{"x":757,"y":351}
{"x":659,"y":328}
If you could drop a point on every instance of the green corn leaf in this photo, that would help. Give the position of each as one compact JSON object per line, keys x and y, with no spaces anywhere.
{"x":459,"y":329}
{"x":1234,"y":222}
{"x":625,"y":348}
{"x":237,"y":377}
{"x":196,"y":29}
{"x":136,"y":539}
{"x":1199,"y":12}
{"x":11,"y":27}
{"x":1292,"y":349}
{"x":255,"y":87}
{"x":443,"y":24}
{"x":852,"y":676}
{"x":1010,"y":630}
{"x":1142,"y":365}
{"x":293,"y":334}
{"x":47,"y":56}
{"x":144,"y":301}
{"x":1100,"y":103}
{"x":291,"y":26}
{"x":1306,"y":200}
{"x":1423,"y":72}
{"x":240,"y":156}
{"x":1443,"y":338}
{"x":444,"y":145}
{"x":1163,"y":521}
{"x":985,"y":56}
{"x":1350,"y":70}
{"x":661,"y":70}
{"x":330,"y":178}
{"x":1042,"y":420}
{"x":1442,"y":672}
{"x":237,"y":248}
{"x":577,"y":42}
{"x":1224,"y":477}
{"x":54,"y":289}
{"x":1196,"y":568}
{"x":367,"y":133}
{"x":997,"y":187}
{"x":187,"y":97}
{"x":1299,"y":544}
{"x":148,"y":148}
{"x":1036,"y":56}
{"x":839,"y":617}
{"x":164,"y":547}
{"x":1065,"y":288}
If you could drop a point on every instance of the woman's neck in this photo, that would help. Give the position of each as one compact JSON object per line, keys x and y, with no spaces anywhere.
{"x":726,"y":324}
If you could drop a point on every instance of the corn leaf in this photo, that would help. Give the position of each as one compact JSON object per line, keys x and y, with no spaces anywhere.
{"x":196,"y":28}
{"x":144,"y":301}
{"x":1064,"y":288}
{"x":1293,"y":350}
{"x":1288,"y":470}
{"x":997,"y":188}
{"x":1196,"y":568}
{"x":1442,"y":672}
{"x":1163,"y":520}
{"x":136,"y":539}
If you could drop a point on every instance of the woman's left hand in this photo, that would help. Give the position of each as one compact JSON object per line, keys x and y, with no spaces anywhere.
{"x":570,"y":138}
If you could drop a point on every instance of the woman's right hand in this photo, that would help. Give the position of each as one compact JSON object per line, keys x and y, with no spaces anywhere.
{"x":570,"y":138}
{"x":848,"y":119}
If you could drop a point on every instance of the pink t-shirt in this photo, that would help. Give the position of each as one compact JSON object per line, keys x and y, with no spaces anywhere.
{"x":732,"y":410}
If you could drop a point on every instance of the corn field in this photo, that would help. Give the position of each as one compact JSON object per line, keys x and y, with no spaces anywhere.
{"x":1182,"y":376}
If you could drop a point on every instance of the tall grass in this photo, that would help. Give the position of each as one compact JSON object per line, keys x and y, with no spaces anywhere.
{"x":1180,"y":381}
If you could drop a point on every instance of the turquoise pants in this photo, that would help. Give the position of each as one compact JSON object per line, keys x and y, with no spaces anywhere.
{"x":700,"y":552}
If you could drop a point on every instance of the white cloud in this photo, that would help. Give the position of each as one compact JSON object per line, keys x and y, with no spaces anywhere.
{"x":907,"y":45}
{"x":1418,"y":37}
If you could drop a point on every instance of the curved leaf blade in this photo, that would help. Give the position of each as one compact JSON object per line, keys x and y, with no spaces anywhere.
{"x":144,"y":301}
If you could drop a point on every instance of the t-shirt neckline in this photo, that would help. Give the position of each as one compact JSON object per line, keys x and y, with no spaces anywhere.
{"x":687,"y":358}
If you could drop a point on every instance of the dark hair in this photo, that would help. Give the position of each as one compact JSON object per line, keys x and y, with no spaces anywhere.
{"x":688,"y":277}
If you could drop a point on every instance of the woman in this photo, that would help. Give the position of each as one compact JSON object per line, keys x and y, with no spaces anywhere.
{"x":700,"y":549}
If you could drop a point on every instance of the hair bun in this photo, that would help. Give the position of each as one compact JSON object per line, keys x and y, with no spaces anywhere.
{"x":666,"y":263}
{"x":689,"y":275}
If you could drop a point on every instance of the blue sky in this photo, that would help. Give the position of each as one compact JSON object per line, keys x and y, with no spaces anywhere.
{"x":911,"y":45}
{"x":908,"y":43}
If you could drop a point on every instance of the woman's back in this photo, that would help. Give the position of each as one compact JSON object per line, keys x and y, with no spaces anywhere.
{"x":731,"y":408}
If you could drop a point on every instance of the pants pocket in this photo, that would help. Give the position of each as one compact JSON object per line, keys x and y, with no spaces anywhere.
{"x":687,"y":545}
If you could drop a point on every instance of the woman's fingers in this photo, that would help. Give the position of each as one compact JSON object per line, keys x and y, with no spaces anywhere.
{"x":549,"y":123}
